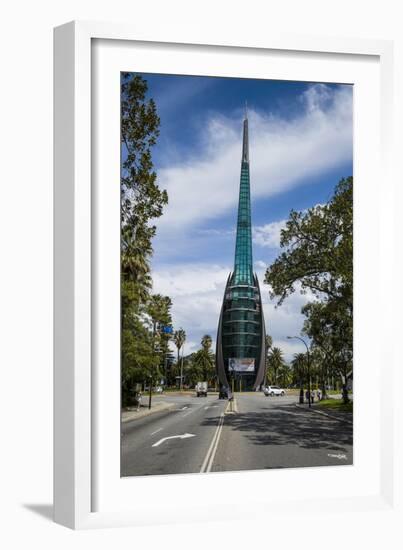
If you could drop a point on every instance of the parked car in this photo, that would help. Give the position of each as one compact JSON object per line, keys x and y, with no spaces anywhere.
{"x":201,"y":389}
{"x":273,"y":390}
{"x":155,"y":389}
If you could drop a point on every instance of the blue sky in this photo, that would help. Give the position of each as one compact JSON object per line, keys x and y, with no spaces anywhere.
{"x":300,"y":146}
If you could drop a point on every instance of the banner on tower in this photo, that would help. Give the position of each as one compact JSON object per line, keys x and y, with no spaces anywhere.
{"x":241,"y":365}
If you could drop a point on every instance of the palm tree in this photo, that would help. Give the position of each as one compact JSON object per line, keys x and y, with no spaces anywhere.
{"x":204,"y":358}
{"x":158,"y":307}
{"x":179,"y":340}
{"x":276,"y":361}
{"x":135,"y":269}
{"x":268,"y":344}
{"x":285,"y":375}
{"x":298,"y":364}
{"x":206,"y":342}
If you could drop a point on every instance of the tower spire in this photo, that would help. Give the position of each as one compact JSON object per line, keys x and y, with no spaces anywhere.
{"x":243,"y":268}
{"x":241,"y":350}
{"x":245,"y":144}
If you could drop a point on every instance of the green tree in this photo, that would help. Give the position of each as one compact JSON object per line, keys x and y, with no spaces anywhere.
{"x":276,"y":362}
{"x":318,"y":257}
{"x":159,"y":310}
{"x":206,"y":342}
{"x":330,"y":328}
{"x":285,"y":375}
{"x":204,"y":359}
{"x":319,"y":250}
{"x":141,"y":202}
{"x":268,"y":345}
{"x":299,"y":365}
{"x":179,"y":340}
{"x":137,"y":357}
{"x":141,"y":198}
{"x":192,"y":371}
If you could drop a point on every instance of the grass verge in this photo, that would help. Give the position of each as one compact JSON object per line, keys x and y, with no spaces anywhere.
{"x":335,"y":405}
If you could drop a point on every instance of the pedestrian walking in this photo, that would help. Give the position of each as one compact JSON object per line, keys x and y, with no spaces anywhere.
{"x":319,"y":394}
{"x":312,"y":396}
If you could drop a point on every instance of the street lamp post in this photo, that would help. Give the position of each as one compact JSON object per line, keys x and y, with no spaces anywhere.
{"x":181,"y":381}
{"x":308,"y":365}
{"x":266,"y":347}
{"x":151,"y":374}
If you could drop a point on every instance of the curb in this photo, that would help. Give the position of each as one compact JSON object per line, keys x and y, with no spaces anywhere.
{"x":136,"y":415}
{"x":325,"y":414}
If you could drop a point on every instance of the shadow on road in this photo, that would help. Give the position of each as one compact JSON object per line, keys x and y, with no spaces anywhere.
{"x":285,"y":426}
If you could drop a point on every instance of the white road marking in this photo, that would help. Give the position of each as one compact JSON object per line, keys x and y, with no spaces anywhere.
{"x":232,"y":407}
{"x":156,"y":431}
{"x":187,"y":414}
{"x":209,"y":458}
{"x":183,"y":408}
{"x":183,"y":436}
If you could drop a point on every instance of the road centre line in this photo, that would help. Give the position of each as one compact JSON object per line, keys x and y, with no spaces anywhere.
{"x":156,"y":431}
{"x":210,"y":464}
{"x":232,"y":407}
{"x":208,"y":459}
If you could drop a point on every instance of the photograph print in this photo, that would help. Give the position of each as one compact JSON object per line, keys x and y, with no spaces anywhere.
{"x":236,"y":274}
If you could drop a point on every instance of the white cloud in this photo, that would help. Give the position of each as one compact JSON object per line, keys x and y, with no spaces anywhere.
{"x":197,"y":292}
{"x":283,"y":154}
{"x":217,"y":232}
{"x":268,"y":235}
{"x":189,"y":347}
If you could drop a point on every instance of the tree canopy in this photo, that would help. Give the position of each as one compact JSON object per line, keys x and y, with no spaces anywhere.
{"x":317,"y":256}
{"x":142,"y":201}
{"x":318,"y":251}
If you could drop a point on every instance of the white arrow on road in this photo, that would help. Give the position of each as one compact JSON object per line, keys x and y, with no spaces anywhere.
{"x":183,"y":436}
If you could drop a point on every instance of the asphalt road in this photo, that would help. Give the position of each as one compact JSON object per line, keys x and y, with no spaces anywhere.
{"x":198,"y":416}
{"x":272,"y":432}
{"x":265,"y":432}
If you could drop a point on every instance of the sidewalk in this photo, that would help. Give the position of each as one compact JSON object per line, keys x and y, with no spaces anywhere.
{"x":133,"y":414}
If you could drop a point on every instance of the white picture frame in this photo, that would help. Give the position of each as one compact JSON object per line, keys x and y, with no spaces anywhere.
{"x":78,"y":304}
